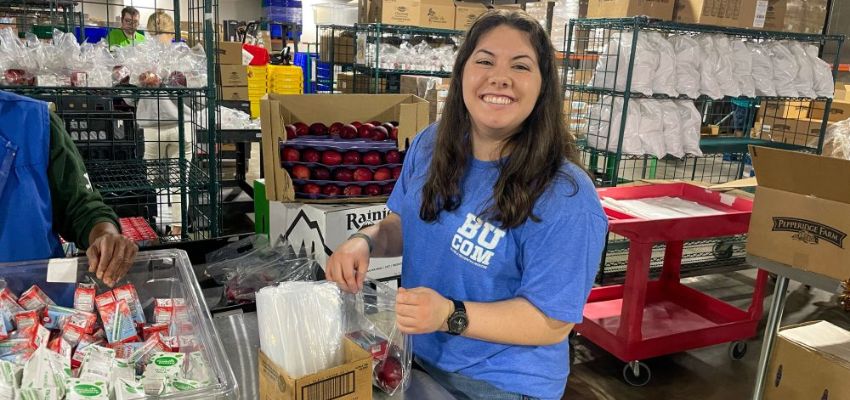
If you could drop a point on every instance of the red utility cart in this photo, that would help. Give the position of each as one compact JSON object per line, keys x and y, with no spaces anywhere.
{"x":642,"y":319}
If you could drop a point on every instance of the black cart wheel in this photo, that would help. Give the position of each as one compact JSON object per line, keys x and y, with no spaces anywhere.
{"x":737,"y":350}
{"x":636,"y":374}
{"x":722,"y":250}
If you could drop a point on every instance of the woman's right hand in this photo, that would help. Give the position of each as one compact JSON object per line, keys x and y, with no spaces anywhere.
{"x":348,"y":265}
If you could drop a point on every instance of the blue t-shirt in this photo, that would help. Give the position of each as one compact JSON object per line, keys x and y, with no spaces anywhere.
{"x":551,"y":263}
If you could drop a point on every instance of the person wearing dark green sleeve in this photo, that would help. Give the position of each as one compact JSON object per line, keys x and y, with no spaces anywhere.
{"x":127,"y":35}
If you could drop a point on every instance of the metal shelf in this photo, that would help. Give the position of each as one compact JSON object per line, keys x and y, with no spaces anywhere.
{"x":131,"y":176}
{"x":120,"y":91}
{"x":636,"y":95}
{"x":822,"y":282}
{"x":386,"y":71}
{"x":741,"y":145}
{"x":404,"y":29}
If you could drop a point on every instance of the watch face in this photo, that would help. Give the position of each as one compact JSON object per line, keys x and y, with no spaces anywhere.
{"x":457,"y":323}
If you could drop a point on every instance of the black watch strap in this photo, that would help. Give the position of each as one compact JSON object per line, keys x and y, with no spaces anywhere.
{"x":458,"y":320}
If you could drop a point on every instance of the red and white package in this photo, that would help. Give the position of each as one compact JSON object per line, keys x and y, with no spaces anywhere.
{"x":79,"y":355}
{"x":118,"y":323}
{"x":128,"y":293}
{"x":85,"y":320}
{"x":26,"y":319}
{"x":167,"y":310}
{"x":149,"y":348}
{"x":34,"y":298}
{"x":59,"y":345}
{"x":172,"y":343}
{"x":84,"y":297}
{"x":37,"y":334}
{"x":8,"y":308}
{"x":99,"y":334}
{"x":104,"y":299}
{"x":189,"y":343}
{"x":73,"y":334}
{"x":4,"y":334}
{"x":154,"y":329}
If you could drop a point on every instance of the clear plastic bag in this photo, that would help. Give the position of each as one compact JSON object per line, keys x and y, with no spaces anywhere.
{"x":726,"y":66}
{"x":836,"y":142}
{"x":370,"y":322}
{"x":805,"y":81}
{"x":664,"y":80}
{"x":606,"y":120}
{"x":672,"y":128}
{"x":688,"y":56}
{"x":691,"y":121}
{"x":824,"y":85}
{"x":19,"y":64}
{"x":709,"y":68}
{"x":762,"y":70}
{"x":784,"y":69}
{"x":743,"y":69}
{"x":613,"y":65}
{"x":651,"y":130}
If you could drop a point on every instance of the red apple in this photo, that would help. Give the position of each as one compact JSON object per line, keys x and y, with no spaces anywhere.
{"x":372,"y":190}
{"x":290,"y":154}
{"x":176,"y":79}
{"x":372,"y":158}
{"x":318,"y":129}
{"x":365,"y":131}
{"x":348,"y":132}
{"x":393,"y":157}
{"x":351,"y":157}
{"x":356,"y":124}
{"x":394,"y":133}
{"x":301,"y":129}
{"x":321,"y":174}
{"x":388,"y":188}
{"x":395,"y":123}
{"x":396,"y":172}
{"x":345,"y":175}
{"x":311,"y":188}
{"x":382,"y":174}
{"x":362,"y":174}
{"x":120,"y":75}
{"x":376,"y":123}
{"x":300,"y":172}
{"x":388,"y":126}
{"x":388,"y":374}
{"x":331,"y":157}
{"x":331,"y":190}
{"x":310,"y":155}
{"x":336,"y":128}
{"x":379,"y":133}
{"x":149,"y":79}
{"x":290,"y":132}
{"x":352,"y":190}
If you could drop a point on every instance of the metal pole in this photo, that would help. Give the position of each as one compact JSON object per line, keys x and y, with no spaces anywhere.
{"x":774,"y":317}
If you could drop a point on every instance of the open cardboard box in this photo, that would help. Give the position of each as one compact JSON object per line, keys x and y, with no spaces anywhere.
{"x":278,"y":110}
{"x":801,"y":214}
{"x":349,"y":381}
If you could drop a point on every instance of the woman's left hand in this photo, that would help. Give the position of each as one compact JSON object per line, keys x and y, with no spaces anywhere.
{"x":421,"y":310}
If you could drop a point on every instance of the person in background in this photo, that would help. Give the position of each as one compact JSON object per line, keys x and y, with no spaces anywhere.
{"x":500,"y":228}
{"x":45,"y":192}
{"x":127,"y":35}
{"x":743,"y":110}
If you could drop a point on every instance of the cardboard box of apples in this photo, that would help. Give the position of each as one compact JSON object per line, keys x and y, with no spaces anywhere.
{"x":337,"y":148}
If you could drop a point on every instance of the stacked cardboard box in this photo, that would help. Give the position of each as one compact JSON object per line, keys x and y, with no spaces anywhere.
{"x":337,"y":47}
{"x":729,"y":13}
{"x":232,"y":75}
{"x":661,"y":9}
{"x":437,"y":14}
{"x":431,"y":88}
{"x":804,"y":16}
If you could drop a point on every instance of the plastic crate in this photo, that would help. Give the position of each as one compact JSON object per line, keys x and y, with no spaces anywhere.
{"x":166,"y":274}
{"x":93,"y":34}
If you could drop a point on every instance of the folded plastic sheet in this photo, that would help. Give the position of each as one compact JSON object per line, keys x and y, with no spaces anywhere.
{"x":656,"y":208}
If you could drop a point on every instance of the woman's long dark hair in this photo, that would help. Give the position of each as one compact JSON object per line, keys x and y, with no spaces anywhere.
{"x":537,"y":152}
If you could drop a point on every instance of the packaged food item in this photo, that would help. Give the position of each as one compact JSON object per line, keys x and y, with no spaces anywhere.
{"x":128,"y":389}
{"x":26,"y":319}
{"x":86,"y":321}
{"x":55,"y":316}
{"x":128,"y":293}
{"x":166,"y":364}
{"x":7,"y":392}
{"x":197,"y":368}
{"x":122,"y":370}
{"x":84,"y":389}
{"x":84,"y":297}
{"x":46,"y":370}
{"x":104,"y":299}
{"x":172,"y":343}
{"x":181,"y":385}
{"x":118,"y":323}
{"x":98,"y":363}
{"x":4,"y":334}
{"x":150,"y":330}
{"x":30,"y":393}
{"x":34,"y":298}
{"x":142,"y":355}
{"x":15,"y":346}
{"x":10,"y":374}
{"x":125,"y":350}
{"x":82,"y":348}
{"x":8,"y":308}
{"x":165,"y":310}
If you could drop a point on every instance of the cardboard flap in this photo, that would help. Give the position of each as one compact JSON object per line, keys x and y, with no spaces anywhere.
{"x":347,"y":108}
{"x":802,"y":173}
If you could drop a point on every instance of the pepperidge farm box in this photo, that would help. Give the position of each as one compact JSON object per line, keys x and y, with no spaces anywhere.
{"x":320,"y":228}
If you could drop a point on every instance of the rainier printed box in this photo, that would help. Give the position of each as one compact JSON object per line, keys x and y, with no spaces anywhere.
{"x":801,"y":349}
{"x":349,"y":381}
{"x":320,"y":228}
{"x":801,"y":214}
{"x":661,"y":9}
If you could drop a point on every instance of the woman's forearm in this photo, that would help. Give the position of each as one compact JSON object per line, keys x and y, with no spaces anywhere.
{"x":386,"y":236}
{"x":515,"y":321}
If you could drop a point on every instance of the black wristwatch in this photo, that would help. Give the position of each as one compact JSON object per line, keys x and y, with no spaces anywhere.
{"x":458,"y":321}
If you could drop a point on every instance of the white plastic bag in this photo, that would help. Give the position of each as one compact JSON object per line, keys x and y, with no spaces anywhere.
{"x":709,"y":63}
{"x":664,"y":80}
{"x":836,"y":142}
{"x":726,"y":66}
{"x":762,"y":70}
{"x":651,"y":129}
{"x":691,"y":121}
{"x":688,"y":56}
{"x":784,"y":69}
{"x":805,"y":82}
{"x":672,"y":129}
{"x":606,"y":117}
{"x":743,"y":70}
{"x":822,"y":73}
{"x":613,"y":65}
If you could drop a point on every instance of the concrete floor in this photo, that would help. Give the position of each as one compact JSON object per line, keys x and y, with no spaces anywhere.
{"x":707,"y":373}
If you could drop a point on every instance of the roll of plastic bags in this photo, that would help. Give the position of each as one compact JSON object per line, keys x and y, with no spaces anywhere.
{"x":709,"y":68}
{"x":743,"y":69}
{"x":691,"y":120}
{"x":664,"y":80}
{"x":805,"y":81}
{"x":612,"y":68}
{"x":651,"y":129}
{"x":672,"y":129}
{"x":610,"y":117}
{"x":726,"y":66}
{"x":823,"y":84}
{"x":762,"y":70}
{"x":784,"y":69}
{"x":836,"y":142}
{"x":688,"y":56}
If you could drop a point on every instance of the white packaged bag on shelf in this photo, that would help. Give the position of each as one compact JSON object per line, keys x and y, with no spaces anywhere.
{"x":688,"y":56}
{"x":606,"y":120}
{"x":726,"y":66}
{"x":822,"y":73}
{"x":664,"y":81}
{"x":709,"y":68}
{"x":690,"y":121}
{"x":762,"y":70}
{"x":743,"y":70}
{"x":651,"y":129}
{"x":672,"y":129}
{"x":784,"y":69}
{"x":613,"y":65}
{"x":805,"y":82}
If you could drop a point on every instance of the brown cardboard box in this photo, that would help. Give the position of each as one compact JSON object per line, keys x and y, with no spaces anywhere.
{"x":229,"y":53}
{"x":397,"y":12}
{"x":439,"y":14}
{"x":345,"y":82}
{"x":796,"y":131}
{"x":809,"y":361}
{"x":436,"y":96}
{"x":801,"y":215}
{"x":803,"y":16}
{"x":662,"y":9}
{"x":839,"y":111}
{"x":466,"y":13}
{"x":232,"y":75}
{"x":842,"y":91}
{"x":784,"y":109}
{"x":349,"y":381}
{"x":233,"y":93}
{"x":278,"y":110}
{"x":338,"y":48}
{"x":729,"y":13}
